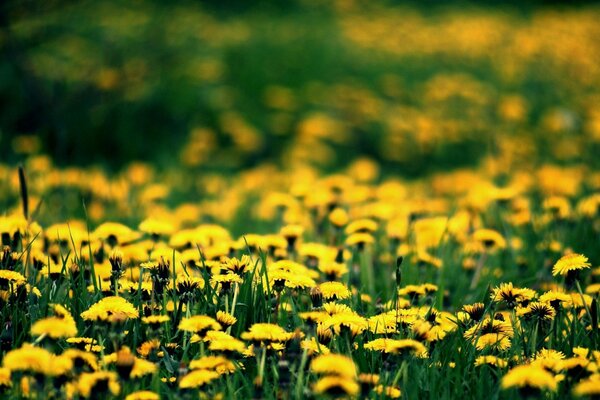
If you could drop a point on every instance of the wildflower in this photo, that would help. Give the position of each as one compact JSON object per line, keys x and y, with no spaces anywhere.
{"x":36,"y":360}
{"x":338,"y":217}
{"x":142,"y":367}
{"x":333,"y":270}
{"x":223,"y":282}
{"x":548,"y":359}
{"x":359,"y":240}
{"x":125,"y":361}
{"x":511,"y":295}
{"x":384,"y":323}
{"x":424,"y":259}
{"x":227,"y":346}
{"x":197,"y":378}
{"x":110,"y":309}
{"x":336,"y":385}
{"x":187,"y":287}
{"x":369,"y":379}
{"x":352,"y":323}
{"x":5,"y":381}
{"x":82,"y":360}
{"x":570,"y":262}
{"x":490,"y":239}
{"x":397,"y":346}
{"x":291,"y":233}
{"x":156,"y":228}
{"x":588,"y":387}
{"x":155,"y":320}
{"x":361,"y":226}
{"x":313,"y":347}
{"x":490,"y":326}
{"x":98,"y":383}
{"x":558,"y":206}
{"x":414,"y":291}
{"x":85,"y":343}
{"x":575,"y":366}
{"x":238,"y":266}
{"x":529,"y":377}
{"x":538,"y":311}
{"x":10,"y":278}
{"x":334,"y":364}
{"x":388,"y":391}
{"x":475,"y":311}
{"x":226,"y":319}
{"x":491,"y":360}
{"x":279,"y":279}
{"x":334,"y":291}
{"x":54,"y":327}
{"x":556,"y":299}
{"x":199,"y":324}
{"x":219,"y":364}
{"x":114,"y":233}
{"x":593,"y":289}
{"x":143,"y":395}
{"x":148,"y":347}
{"x":263,"y":332}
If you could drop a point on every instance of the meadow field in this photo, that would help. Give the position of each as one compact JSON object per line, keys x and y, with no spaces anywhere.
{"x":311,"y":199}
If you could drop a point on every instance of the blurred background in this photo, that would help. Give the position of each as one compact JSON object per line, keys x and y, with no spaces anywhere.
{"x":419,"y":86}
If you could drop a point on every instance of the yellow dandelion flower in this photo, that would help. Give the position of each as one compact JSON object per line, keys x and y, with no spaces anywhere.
{"x":361,"y":226}
{"x":338,"y":217}
{"x":333,"y":270}
{"x":369,"y":379}
{"x":593,"y":289}
{"x":148,"y":347}
{"x":143,"y":367}
{"x":28,"y":358}
{"x":156,"y":227}
{"x":475,"y":311}
{"x":529,"y":376}
{"x":199,"y":324}
{"x":115,"y":233}
{"x":313,"y":347}
{"x":111,"y":309}
{"x":227,"y":345}
{"x":82,"y":359}
{"x":143,"y":395}
{"x":264,"y":332}
{"x":491,"y":360}
{"x":388,"y":391}
{"x":397,"y":346}
{"x":155,"y":320}
{"x":334,"y":364}
{"x":197,"y":378}
{"x":359,"y":239}
{"x":8,"y":278}
{"x":336,"y":385}
{"x":5,"y":380}
{"x":219,"y":364}
{"x":97,"y":383}
{"x":349,"y":322}
{"x":570,"y":262}
{"x":226,"y":318}
{"x":588,"y":387}
{"x":537,"y":311}
{"x":334,"y":291}
{"x":238,"y":266}
{"x":490,"y":239}
{"x":54,"y":327}
{"x":556,"y":299}
{"x":510,"y":295}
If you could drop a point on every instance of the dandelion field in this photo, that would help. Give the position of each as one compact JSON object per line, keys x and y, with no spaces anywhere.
{"x":345,"y":200}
